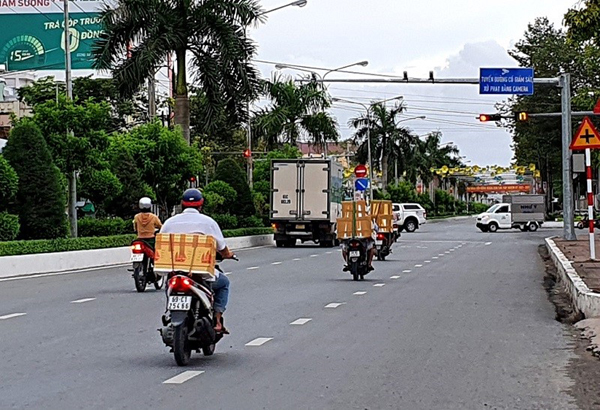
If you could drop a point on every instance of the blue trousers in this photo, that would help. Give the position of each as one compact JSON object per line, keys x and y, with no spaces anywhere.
{"x":221,"y":289}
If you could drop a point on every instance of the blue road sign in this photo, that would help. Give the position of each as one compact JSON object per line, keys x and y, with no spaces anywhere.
{"x":518,"y":81}
{"x":361,"y":184}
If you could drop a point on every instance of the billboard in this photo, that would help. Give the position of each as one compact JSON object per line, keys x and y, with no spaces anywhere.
{"x":32,"y":35}
{"x":484,"y":189}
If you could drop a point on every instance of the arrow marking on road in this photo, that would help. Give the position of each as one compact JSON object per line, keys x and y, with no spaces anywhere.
{"x":12,"y":315}
{"x":334,"y":305}
{"x":183,"y":377}
{"x":83,"y":300}
{"x":301,"y":321}
{"x":359,"y":293}
{"x":259,"y":341}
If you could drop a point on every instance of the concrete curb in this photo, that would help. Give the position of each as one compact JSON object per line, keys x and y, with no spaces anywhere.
{"x":583,"y":299}
{"x":23,"y":265}
{"x":452,"y":218}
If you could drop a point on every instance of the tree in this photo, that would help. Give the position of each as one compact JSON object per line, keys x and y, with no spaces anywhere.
{"x":225,"y":191}
{"x":262,"y":169}
{"x":40,"y":197}
{"x":230,"y":172}
{"x":295,"y":111}
{"x":100,"y":186}
{"x":386,"y":136}
{"x":9,"y":185}
{"x":140,"y":34}
{"x":427,"y":154}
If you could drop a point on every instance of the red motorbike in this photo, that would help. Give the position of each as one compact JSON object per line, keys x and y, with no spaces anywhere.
{"x":142,"y":256}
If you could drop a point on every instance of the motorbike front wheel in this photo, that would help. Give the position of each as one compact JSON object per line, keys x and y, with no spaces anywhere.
{"x":160,"y":281}
{"x":208,"y":350}
{"x":181,"y":345}
{"x":139,"y":277}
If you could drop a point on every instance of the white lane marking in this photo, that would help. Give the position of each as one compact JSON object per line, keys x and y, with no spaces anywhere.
{"x":427,"y":261}
{"x":488,"y":243}
{"x":183,"y":377}
{"x":276,"y":263}
{"x":435,"y":257}
{"x":395,"y":277}
{"x":259,"y":341}
{"x":12,"y":315}
{"x":313,"y":256}
{"x":452,"y":250}
{"x":83,"y":300}
{"x":253,"y":268}
{"x":334,"y":305}
{"x":379,"y":285}
{"x":329,"y":253}
{"x":359,"y":293}
{"x":296,"y":259}
{"x":447,"y":252}
{"x":301,"y":321}
{"x":441,"y":254}
{"x":407,"y":271}
{"x":418,"y":266}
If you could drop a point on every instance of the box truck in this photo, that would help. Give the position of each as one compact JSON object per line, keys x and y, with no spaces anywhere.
{"x":526,"y":212}
{"x":306,"y":198}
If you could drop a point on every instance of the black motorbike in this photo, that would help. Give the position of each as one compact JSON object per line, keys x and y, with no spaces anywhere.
{"x":189,"y":324}
{"x":357,"y":258}
{"x":142,"y":257}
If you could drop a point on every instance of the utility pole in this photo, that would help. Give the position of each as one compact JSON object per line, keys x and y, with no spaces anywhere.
{"x":152,"y":98}
{"x":73,"y":177}
{"x":568,"y":214}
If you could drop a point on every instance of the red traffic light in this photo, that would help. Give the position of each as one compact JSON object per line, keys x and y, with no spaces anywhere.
{"x":247,"y":153}
{"x":489,"y":117}
{"x":192,"y":179}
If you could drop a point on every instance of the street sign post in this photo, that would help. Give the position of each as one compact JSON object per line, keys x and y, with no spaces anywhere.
{"x":360,"y":171}
{"x":587,"y":138}
{"x":361,"y":184}
{"x":518,"y":81}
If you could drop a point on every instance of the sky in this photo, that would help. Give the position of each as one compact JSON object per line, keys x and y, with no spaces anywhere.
{"x":452,"y":38}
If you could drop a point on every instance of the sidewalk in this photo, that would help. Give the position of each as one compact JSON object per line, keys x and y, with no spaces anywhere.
{"x":578,"y":253}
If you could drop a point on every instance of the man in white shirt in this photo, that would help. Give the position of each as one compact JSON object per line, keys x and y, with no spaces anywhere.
{"x":191,"y":221}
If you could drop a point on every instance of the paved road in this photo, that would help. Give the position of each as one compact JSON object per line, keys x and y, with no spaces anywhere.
{"x":455,"y":319}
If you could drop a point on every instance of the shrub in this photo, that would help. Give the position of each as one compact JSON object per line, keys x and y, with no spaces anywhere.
{"x":231,"y":233}
{"x":9,"y":226}
{"x":104,"y":227}
{"x":9,"y":183}
{"x":251,"y":222}
{"x":213,"y":203}
{"x":225,"y":191}
{"x":229,"y":171}
{"x":40,"y":198}
{"x":99,"y":186}
{"x":63,"y":245}
{"x":402,"y":192}
{"x":226,"y":221}
{"x":478,"y":207}
{"x":263,"y":187}
{"x":425,"y":202}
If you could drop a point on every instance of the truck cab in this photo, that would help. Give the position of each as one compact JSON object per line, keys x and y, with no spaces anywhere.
{"x":496,"y":217}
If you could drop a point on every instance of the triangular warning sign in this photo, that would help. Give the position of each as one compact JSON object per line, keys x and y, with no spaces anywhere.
{"x":587,"y":136}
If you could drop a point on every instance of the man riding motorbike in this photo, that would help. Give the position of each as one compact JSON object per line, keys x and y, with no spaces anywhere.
{"x":370,"y":249}
{"x":191,"y":221}
{"x":146,"y":223}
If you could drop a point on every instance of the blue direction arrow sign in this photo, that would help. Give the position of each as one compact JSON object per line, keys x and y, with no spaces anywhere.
{"x":518,"y":81}
{"x":361,"y":184}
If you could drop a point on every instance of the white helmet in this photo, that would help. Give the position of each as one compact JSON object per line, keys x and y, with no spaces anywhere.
{"x":145,"y":203}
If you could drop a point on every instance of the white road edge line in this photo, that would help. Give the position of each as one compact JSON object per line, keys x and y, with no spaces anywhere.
{"x":184,"y":377}
{"x":360,"y":293}
{"x":83,"y":300}
{"x":301,"y":321}
{"x":259,"y":341}
{"x":334,"y":305}
{"x":12,"y":315}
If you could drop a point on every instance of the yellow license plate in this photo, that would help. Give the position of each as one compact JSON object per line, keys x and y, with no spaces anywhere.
{"x":300,"y":226}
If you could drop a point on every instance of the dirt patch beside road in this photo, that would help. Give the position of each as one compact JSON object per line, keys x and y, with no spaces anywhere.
{"x":578,"y":252}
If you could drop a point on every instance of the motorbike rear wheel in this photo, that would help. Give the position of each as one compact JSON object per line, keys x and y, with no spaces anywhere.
{"x":181,"y":346}
{"x":208,"y":350}
{"x":139,"y":277}
{"x":160,"y":281}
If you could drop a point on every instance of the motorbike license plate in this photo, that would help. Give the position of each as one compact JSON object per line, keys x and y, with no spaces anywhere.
{"x":179,"y":302}
{"x":300,"y":226}
{"x":354,"y":254}
{"x":137,"y":257}
{"x":378,"y":243}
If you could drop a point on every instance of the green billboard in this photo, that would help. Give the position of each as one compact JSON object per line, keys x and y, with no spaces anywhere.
{"x":36,"y":41}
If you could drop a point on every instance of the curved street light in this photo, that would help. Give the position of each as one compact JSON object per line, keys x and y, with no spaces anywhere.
{"x":298,"y":3}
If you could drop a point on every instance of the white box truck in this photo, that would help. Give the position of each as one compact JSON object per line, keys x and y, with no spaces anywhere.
{"x":526,"y":212}
{"x":306,"y":200}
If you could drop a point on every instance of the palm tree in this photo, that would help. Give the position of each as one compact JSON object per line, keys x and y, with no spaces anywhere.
{"x":140,"y":34}
{"x":388,"y":139}
{"x":295,"y":111}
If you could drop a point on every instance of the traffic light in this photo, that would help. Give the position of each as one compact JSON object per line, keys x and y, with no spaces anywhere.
{"x":522,"y":116}
{"x":489,"y":117}
{"x":247,"y":153}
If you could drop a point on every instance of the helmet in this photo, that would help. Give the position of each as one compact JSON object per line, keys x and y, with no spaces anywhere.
{"x":145,"y":203}
{"x":192,"y":198}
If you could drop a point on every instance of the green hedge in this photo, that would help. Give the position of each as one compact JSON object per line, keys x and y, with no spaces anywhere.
{"x":79,"y":244}
{"x":104,"y":227}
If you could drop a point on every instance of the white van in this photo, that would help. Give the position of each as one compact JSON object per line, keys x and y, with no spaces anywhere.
{"x":409,"y":216}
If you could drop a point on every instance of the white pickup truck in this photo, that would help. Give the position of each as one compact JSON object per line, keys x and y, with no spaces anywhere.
{"x":409,"y":216}
{"x":525,"y":212}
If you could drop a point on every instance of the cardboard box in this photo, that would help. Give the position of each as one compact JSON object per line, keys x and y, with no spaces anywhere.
{"x":385,"y":223}
{"x":188,"y":253}
{"x":381,"y":208}
{"x":362,"y":228}
{"x":354,"y":208}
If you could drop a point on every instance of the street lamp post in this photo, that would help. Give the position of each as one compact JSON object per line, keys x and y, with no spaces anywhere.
{"x":297,"y":3}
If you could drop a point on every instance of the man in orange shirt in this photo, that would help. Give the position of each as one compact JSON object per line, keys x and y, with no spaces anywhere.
{"x":146,"y":223}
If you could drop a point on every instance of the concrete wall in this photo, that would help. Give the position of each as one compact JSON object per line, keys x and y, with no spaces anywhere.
{"x":79,"y":260}
{"x":584,"y":300}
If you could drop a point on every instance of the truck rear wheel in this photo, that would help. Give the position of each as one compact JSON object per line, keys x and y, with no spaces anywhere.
{"x":533,"y":227}
{"x":279,"y":244}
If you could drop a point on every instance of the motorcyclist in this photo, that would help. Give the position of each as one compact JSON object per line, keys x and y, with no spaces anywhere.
{"x":370,"y":245}
{"x":191,"y":221}
{"x":146,"y":223}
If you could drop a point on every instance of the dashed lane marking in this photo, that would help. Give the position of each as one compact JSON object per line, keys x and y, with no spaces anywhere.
{"x":329,"y":253}
{"x":301,"y":321}
{"x":395,"y":277}
{"x":427,"y":261}
{"x":259,"y":341}
{"x":418,"y":266}
{"x":253,"y":268}
{"x":359,"y":293}
{"x":441,"y":254}
{"x":183,"y":377}
{"x":407,"y":271}
{"x":334,"y":305}
{"x":379,"y":285}
{"x":447,"y":252}
{"x":313,"y":256}
{"x":83,"y":300}
{"x":488,"y":243}
{"x":435,"y":257}
{"x":296,"y":259}
{"x":276,"y":263}
{"x":12,"y":315}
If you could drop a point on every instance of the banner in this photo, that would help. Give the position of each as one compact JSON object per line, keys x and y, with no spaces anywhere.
{"x":486,"y":189}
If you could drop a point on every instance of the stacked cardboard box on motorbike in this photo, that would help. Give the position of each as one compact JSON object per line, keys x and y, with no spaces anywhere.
{"x":188,"y":253}
{"x":382,"y":214}
{"x":355,"y":221}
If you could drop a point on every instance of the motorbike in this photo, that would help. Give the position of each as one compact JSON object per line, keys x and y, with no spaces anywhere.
{"x":189,"y":322}
{"x":396,"y":233}
{"x":383,"y":245}
{"x":357,"y":258}
{"x":142,"y":257}
{"x":585,"y":222}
